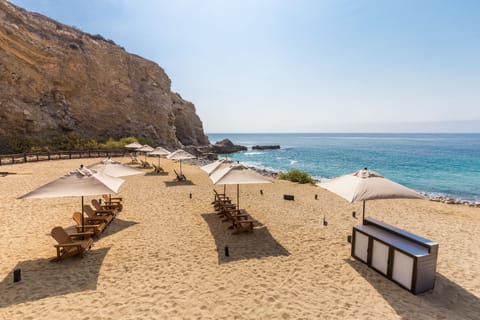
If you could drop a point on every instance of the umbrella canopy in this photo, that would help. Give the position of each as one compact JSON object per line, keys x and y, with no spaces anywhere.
{"x":180,"y":155}
{"x":133,"y":145}
{"x":114,"y":168}
{"x":235,"y":173}
{"x":79,"y":182}
{"x":365,"y":185}
{"x":144,"y":148}
{"x":211,"y":167}
{"x":159,"y":152}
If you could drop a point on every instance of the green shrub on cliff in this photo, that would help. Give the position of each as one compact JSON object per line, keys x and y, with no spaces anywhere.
{"x":116,"y":144}
{"x":296,"y":176}
{"x":26,"y":144}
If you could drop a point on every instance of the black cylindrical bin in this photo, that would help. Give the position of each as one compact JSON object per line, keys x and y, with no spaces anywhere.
{"x":227,"y":254}
{"x":17,"y":275}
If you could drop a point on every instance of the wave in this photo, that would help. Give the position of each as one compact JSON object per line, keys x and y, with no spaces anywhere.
{"x":253,"y":153}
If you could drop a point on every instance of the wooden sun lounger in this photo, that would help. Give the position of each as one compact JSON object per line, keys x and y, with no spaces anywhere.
{"x":106,"y":208}
{"x":114,"y":202}
{"x":134,"y":160}
{"x":98,"y":217}
{"x":69,"y":245}
{"x":180,"y":176}
{"x":241,"y":221}
{"x":88,"y":224}
{"x":145,"y":164}
{"x":157,"y":169}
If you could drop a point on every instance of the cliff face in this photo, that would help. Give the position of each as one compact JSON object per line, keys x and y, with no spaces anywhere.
{"x":55,"y":79}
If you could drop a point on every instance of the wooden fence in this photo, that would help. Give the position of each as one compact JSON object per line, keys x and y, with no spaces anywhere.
{"x":58,"y":155}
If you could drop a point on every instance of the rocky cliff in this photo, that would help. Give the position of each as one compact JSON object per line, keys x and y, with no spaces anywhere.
{"x":55,"y":79}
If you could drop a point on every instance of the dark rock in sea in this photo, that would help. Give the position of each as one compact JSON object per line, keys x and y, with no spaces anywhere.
{"x":227,"y":146}
{"x":265,"y":147}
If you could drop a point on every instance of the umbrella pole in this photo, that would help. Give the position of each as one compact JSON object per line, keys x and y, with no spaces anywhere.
{"x":180,"y":167}
{"x":363,"y":214}
{"x":83,"y":226}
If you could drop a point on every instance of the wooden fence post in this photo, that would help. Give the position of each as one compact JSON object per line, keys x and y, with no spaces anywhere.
{"x":25,"y":157}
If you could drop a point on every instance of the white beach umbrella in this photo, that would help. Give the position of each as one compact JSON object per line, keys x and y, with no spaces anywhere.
{"x":211,"y":167}
{"x":365,"y":185}
{"x":145,"y":149}
{"x":114,"y":168}
{"x":79,"y":182}
{"x":236,"y":173}
{"x":159,"y":152}
{"x":133,"y":145}
{"x":180,"y":155}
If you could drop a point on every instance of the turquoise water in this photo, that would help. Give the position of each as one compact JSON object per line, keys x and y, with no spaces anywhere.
{"x":437,"y":164}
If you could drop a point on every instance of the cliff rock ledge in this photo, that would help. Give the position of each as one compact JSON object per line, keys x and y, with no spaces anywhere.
{"x":55,"y":79}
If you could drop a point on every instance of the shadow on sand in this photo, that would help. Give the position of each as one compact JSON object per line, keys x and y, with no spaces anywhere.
{"x":179,"y":183}
{"x":156,"y":174}
{"x":115,"y":226}
{"x":42,"y":278}
{"x":448,"y":300}
{"x":256,"y":244}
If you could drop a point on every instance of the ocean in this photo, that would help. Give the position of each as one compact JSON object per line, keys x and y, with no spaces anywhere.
{"x":434,"y":164}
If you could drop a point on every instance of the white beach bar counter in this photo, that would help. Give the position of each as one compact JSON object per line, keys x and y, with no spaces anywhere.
{"x":405,"y":258}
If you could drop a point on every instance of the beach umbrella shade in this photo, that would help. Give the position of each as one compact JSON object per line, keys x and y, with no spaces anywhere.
{"x":114,"y":168}
{"x":159,"y":152}
{"x":180,"y":155}
{"x":133,"y":145}
{"x":211,"y":167}
{"x":236,"y":173}
{"x":145,"y":148}
{"x":77,"y":183}
{"x":366,"y":185}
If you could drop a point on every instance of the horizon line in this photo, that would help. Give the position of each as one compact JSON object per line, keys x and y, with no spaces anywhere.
{"x":341,"y":132}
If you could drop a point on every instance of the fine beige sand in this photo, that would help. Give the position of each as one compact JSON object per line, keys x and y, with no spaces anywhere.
{"x":163,"y":257}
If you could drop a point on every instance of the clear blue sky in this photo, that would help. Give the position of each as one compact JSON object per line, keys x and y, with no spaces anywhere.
{"x":303,"y":66}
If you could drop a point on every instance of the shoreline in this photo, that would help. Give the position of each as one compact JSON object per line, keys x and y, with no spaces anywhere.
{"x":442,"y":198}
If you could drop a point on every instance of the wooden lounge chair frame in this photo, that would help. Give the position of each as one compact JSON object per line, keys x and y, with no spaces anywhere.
{"x":97,"y":217}
{"x":145,"y":164}
{"x":105,"y":208}
{"x":115,"y":203}
{"x":69,"y":245}
{"x":240,"y":220}
{"x":180,"y":176}
{"x":88,"y":224}
{"x":157,"y":169}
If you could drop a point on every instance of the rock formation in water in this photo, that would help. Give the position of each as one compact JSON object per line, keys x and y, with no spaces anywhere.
{"x":226,"y":146}
{"x":55,"y":80}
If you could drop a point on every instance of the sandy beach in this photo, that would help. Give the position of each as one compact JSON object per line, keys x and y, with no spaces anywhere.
{"x":163,"y":257}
